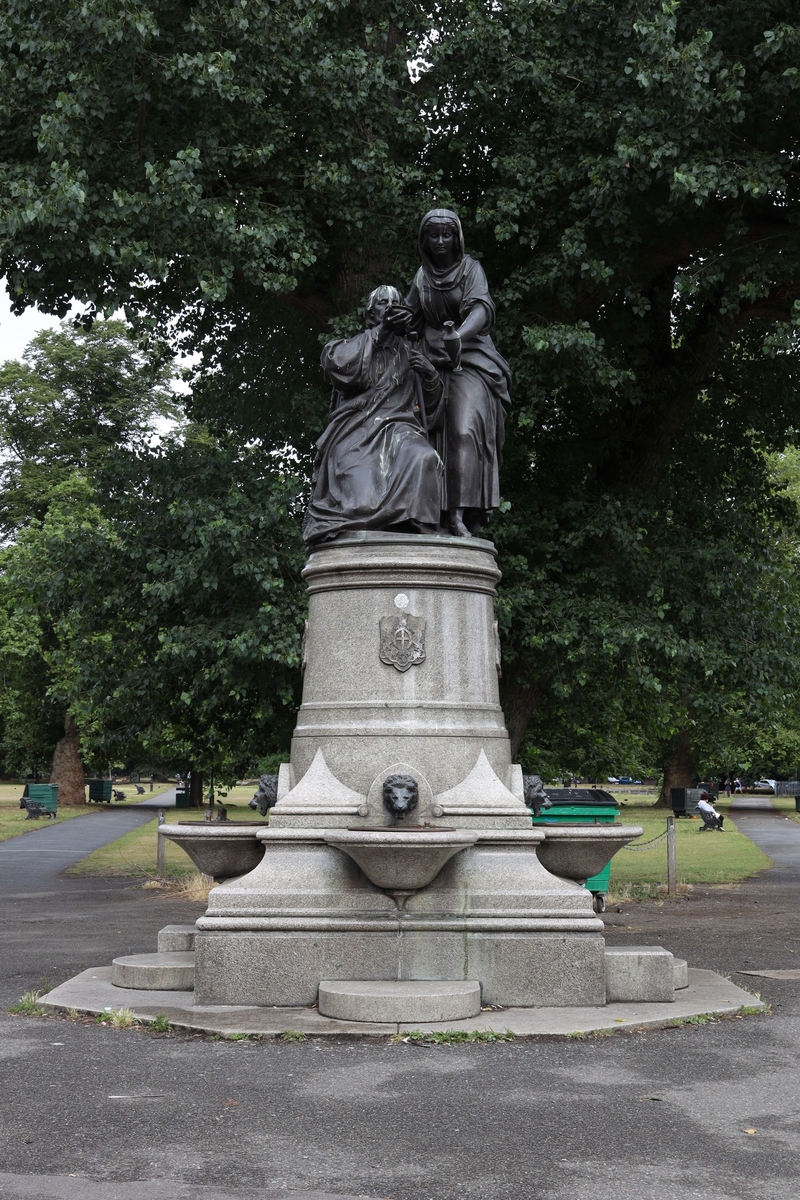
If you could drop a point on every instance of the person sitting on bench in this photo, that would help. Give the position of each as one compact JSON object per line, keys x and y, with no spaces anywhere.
{"x":711,"y":818}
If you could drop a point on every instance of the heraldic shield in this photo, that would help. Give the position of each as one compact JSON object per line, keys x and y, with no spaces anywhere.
{"x":403,"y":641}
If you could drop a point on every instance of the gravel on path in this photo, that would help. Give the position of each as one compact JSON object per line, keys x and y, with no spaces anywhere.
{"x":710,"y":1111}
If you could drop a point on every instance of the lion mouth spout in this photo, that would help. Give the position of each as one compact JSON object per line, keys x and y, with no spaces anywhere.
{"x":400,"y":796}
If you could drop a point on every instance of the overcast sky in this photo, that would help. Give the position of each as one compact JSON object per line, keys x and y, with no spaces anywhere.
{"x":16,"y":332}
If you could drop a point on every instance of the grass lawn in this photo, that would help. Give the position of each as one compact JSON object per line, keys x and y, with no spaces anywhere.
{"x":134,"y":854}
{"x":701,"y":858}
{"x":14,"y":820}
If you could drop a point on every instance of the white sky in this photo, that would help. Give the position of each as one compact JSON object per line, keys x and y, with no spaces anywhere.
{"x":16,"y":332}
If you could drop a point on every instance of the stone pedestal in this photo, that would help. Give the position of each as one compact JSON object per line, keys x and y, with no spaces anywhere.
{"x":401,"y":677}
{"x":401,"y":662}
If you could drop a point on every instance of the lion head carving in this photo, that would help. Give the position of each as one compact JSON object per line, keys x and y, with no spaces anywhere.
{"x":400,"y":795}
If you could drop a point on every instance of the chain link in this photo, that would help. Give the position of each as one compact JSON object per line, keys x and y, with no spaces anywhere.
{"x":647,"y":845}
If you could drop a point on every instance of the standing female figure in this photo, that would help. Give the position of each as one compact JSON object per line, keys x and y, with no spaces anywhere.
{"x":453,"y":313}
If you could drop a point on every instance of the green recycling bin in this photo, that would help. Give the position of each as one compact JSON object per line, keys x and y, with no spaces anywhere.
{"x":583,"y":806}
{"x":45,"y":794}
{"x":100,"y":791}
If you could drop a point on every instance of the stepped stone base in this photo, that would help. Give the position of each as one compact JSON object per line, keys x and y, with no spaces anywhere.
{"x":639,"y":973}
{"x":399,"y":1000}
{"x":176,"y":939}
{"x":285,"y":966}
{"x":154,"y":972}
{"x":680,"y":969}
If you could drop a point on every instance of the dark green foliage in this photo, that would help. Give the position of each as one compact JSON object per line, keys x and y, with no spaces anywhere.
{"x":174,"y":593}
{"x":240,"y":176}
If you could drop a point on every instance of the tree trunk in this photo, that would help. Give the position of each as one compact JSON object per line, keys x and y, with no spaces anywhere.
{"x":519,"y":703}
{"x":677,"y":765}
{"x":67,"y":768}
{"x":195,"y":789}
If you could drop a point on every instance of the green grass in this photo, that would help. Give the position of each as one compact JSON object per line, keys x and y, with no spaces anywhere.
{"x":134,"y":854}
{"x":701,"y":858}
{"x":14,"y":820}
{"x":28,"y":1005}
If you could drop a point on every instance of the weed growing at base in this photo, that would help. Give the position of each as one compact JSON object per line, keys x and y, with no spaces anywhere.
{"x":451,"y":1037}
{"x":28,"y":1004}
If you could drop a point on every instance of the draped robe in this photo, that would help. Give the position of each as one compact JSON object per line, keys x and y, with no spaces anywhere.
{"x":375,"y":467}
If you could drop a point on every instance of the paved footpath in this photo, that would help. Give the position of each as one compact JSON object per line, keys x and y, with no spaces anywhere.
{"x":94,"y":1113}
{"x":36,"y":858}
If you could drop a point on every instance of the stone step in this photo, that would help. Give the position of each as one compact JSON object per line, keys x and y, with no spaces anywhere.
{"x":680,"y":968}
{"x":399,"y":1000}
{"x":643,"y":973}
{"x":172,"y":972}
{"x":176,"y":938}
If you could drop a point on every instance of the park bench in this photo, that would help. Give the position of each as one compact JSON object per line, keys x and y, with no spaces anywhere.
{"x":710,"y":822}
{"x":39,"y":800}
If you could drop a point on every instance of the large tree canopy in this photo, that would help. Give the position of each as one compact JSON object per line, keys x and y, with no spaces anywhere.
{"x":238,"y":176}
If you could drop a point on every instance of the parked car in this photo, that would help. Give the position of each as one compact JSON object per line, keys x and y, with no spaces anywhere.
{"x":763,"y":785}
{"x":626,"y":779}
{"x":613,"y":779}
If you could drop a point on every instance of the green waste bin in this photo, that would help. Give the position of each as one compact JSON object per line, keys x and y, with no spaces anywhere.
{"x":100,"y":791}
{"x":182,"y":798}
{"x":45,"y":794}
{"x":583,"y":806}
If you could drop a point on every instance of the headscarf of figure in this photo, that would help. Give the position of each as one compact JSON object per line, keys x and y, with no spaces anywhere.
{"x":433,"y":278}
{"x":384,"y":292}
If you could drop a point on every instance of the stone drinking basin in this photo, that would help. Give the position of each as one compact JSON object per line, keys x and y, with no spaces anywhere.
{"x":223,"y":850}
{"x":401,"y":860}
{"x":580,"y":851}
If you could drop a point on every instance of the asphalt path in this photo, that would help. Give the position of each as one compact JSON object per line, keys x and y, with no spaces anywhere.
{"x":93,"y":1113}
{"x":34,"y":859}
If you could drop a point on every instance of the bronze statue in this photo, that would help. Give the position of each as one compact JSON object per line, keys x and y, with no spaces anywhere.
{"x":375,"y":466}
{"x":453,"y":312}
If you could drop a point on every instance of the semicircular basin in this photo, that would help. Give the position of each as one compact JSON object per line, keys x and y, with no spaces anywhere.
{"x":222,"y":850}
{"x":580,"y":851}
{"x":401,"y":859}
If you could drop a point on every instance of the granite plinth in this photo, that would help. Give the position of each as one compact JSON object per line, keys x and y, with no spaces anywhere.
{"x":286,"y":967}
{"x":363,"y":713}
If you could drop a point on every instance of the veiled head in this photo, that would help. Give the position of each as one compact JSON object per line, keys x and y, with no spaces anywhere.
{"x":441,"y":238}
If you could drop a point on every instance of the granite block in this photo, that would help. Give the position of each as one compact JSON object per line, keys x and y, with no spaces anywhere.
{"x":639,"y":973}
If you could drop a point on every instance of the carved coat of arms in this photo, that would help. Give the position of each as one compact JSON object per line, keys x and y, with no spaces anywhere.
{"x":402,"y":641}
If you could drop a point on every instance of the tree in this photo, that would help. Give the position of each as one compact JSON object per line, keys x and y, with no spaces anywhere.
{"x":79,"y":397}
{"x":239,"y":178}
{"x":172,"y":583}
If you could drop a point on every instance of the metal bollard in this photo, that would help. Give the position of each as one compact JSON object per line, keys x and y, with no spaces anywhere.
{"x":672,"y":864}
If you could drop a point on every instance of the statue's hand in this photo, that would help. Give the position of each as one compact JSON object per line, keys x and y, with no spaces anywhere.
{"x":422,"y":366}
{"x":398,"y":319}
